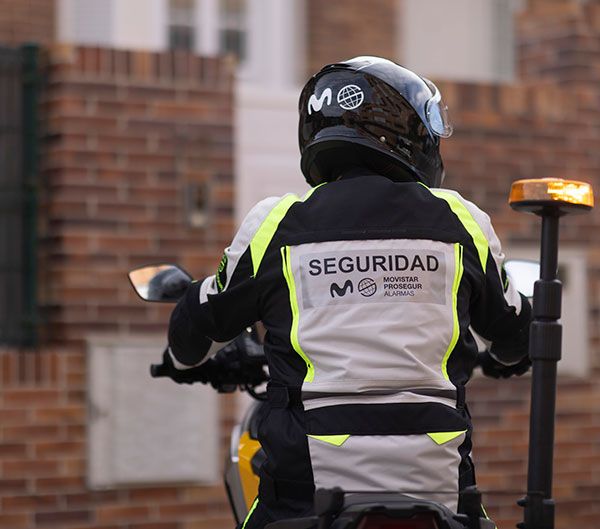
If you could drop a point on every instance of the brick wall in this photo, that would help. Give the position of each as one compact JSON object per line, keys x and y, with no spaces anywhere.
{"x":341,"y":29}
{"x":124,"y":134}
{"x":27,"y":21}
{"x":560,"y":41}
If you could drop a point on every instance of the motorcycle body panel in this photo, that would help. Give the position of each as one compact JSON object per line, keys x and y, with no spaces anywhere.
{"x":243,"y":463}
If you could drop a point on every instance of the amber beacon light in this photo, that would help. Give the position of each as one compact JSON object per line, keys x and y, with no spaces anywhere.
{"x":549,"y":198}
{"x":545,"y":195}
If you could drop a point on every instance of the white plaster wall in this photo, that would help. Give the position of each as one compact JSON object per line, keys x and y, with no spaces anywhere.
{"x":572,"y":262}
{"x":133,"y":417}
{"x":130,"y":24}
{"x":275,"y":43}
{"x":85,"y":21}
{"x":266,"y":145}
{"x":140,"y":24}
{"x":469,"y":40}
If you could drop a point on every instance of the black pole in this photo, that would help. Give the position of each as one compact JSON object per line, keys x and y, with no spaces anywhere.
{"x":545,"y":352}
{"x":549,"y":251}
{"x":30,"y":101}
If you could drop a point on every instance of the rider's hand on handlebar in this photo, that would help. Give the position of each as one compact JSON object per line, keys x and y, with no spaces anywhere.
{"x":201,"y":373}
{"x":492,"y":368}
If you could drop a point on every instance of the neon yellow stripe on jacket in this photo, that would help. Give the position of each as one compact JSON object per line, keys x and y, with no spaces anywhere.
{"x":441,"y":438}
{"x":458,"y":271}
{"x":254,"y":505}
{"x":289,"y":278}
{"x":263,"y":236}
{"x":470,"y":224}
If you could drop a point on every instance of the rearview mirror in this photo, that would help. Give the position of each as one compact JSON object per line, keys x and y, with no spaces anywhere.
{"x":523,"y":274}
{"x":162,"y":282}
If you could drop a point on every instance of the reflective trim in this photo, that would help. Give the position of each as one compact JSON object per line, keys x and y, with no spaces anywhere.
{"x":409,"y":464}
{"x":458,"y":271}
{"x":289,"y":278}
{"x":409,"y":349}
{"x":262,"y":238}
{"x":470,"y":224}
{"x":254,"y":505}
{"x":336,"y":440}
{"x":441,"y":438}
{"x":486,"y":515}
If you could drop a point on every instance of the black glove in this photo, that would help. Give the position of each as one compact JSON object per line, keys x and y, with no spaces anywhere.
{"x":492,"y":368}
{"x":201,"y":373}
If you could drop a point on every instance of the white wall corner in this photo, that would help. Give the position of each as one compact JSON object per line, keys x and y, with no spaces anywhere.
{"x":143,"y":430}
{"x":572,"y":262}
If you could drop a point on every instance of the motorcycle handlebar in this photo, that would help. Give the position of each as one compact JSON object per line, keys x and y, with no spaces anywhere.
{"x":159,"y":370}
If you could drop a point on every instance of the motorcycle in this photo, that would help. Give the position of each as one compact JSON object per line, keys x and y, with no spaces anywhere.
{"x":242,"y":365}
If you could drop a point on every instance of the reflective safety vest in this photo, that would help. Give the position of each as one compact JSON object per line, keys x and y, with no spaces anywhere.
{"x":370,"y":292}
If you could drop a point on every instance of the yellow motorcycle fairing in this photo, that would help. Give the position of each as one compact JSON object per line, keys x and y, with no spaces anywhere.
{"x":247,"y":449}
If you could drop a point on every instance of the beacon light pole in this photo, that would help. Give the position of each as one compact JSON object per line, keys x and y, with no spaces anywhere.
{"x":550,"y":199}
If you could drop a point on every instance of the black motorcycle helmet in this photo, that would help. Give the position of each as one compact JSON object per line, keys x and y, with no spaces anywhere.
{"x":371,"y":112}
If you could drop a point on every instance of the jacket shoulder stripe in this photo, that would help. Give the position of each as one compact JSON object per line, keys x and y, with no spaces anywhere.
{"x":262,"y":238}
{"x":266,"y":231}
{"x":469,"y":222}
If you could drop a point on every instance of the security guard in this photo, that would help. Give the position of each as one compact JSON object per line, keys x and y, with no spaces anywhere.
{"x":368,"y":286}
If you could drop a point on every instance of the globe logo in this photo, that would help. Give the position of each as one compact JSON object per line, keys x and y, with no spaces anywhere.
{"x":367,"y":287}
{"x":350,"y":97}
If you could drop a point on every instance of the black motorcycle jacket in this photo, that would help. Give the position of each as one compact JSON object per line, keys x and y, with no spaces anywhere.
{"x":368,"y":290}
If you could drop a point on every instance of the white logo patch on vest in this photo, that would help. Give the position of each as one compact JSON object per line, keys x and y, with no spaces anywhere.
{"x":373,"y":276}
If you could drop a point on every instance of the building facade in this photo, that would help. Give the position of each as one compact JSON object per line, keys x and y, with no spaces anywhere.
{"x":153,"y":142}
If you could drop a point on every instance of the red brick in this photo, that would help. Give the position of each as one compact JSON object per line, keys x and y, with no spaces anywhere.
{"x":29,"y":503}
{"x":60,"y":518}
{"x":28,"y":397}
{"x":15,"y":521}
{"x":13,"y":485}
{"x":31,"y":21}
{"x":64,"y":448}
{"x":29,"y":468}
{"x":12,"y":450}
{"x":10,"y":416}
{"x":155,"y":525}
{"x":121,"y":514}
{"x":182,"y":510}
{"x":60,"y":415}
{"x":154,"y":494}
{"x":87,"y":499}
{"x":60,"y":484}
{"x":32,"y":432}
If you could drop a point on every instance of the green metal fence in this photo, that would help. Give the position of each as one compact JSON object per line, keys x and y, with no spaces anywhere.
{"x":19,"y":87}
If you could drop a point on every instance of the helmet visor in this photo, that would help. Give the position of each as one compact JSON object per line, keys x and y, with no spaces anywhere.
{"x":437,"y":113}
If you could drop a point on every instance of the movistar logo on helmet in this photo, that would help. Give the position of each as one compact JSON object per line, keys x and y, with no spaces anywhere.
{"x":349,"y":97}
{"x":316,"y":103}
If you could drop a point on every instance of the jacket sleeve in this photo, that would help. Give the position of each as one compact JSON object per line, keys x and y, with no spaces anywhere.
{"x":499,"y":314}
{"x":216,"y":310}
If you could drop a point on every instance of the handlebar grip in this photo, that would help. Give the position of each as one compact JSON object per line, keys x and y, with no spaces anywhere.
{"x":159,"y":370}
